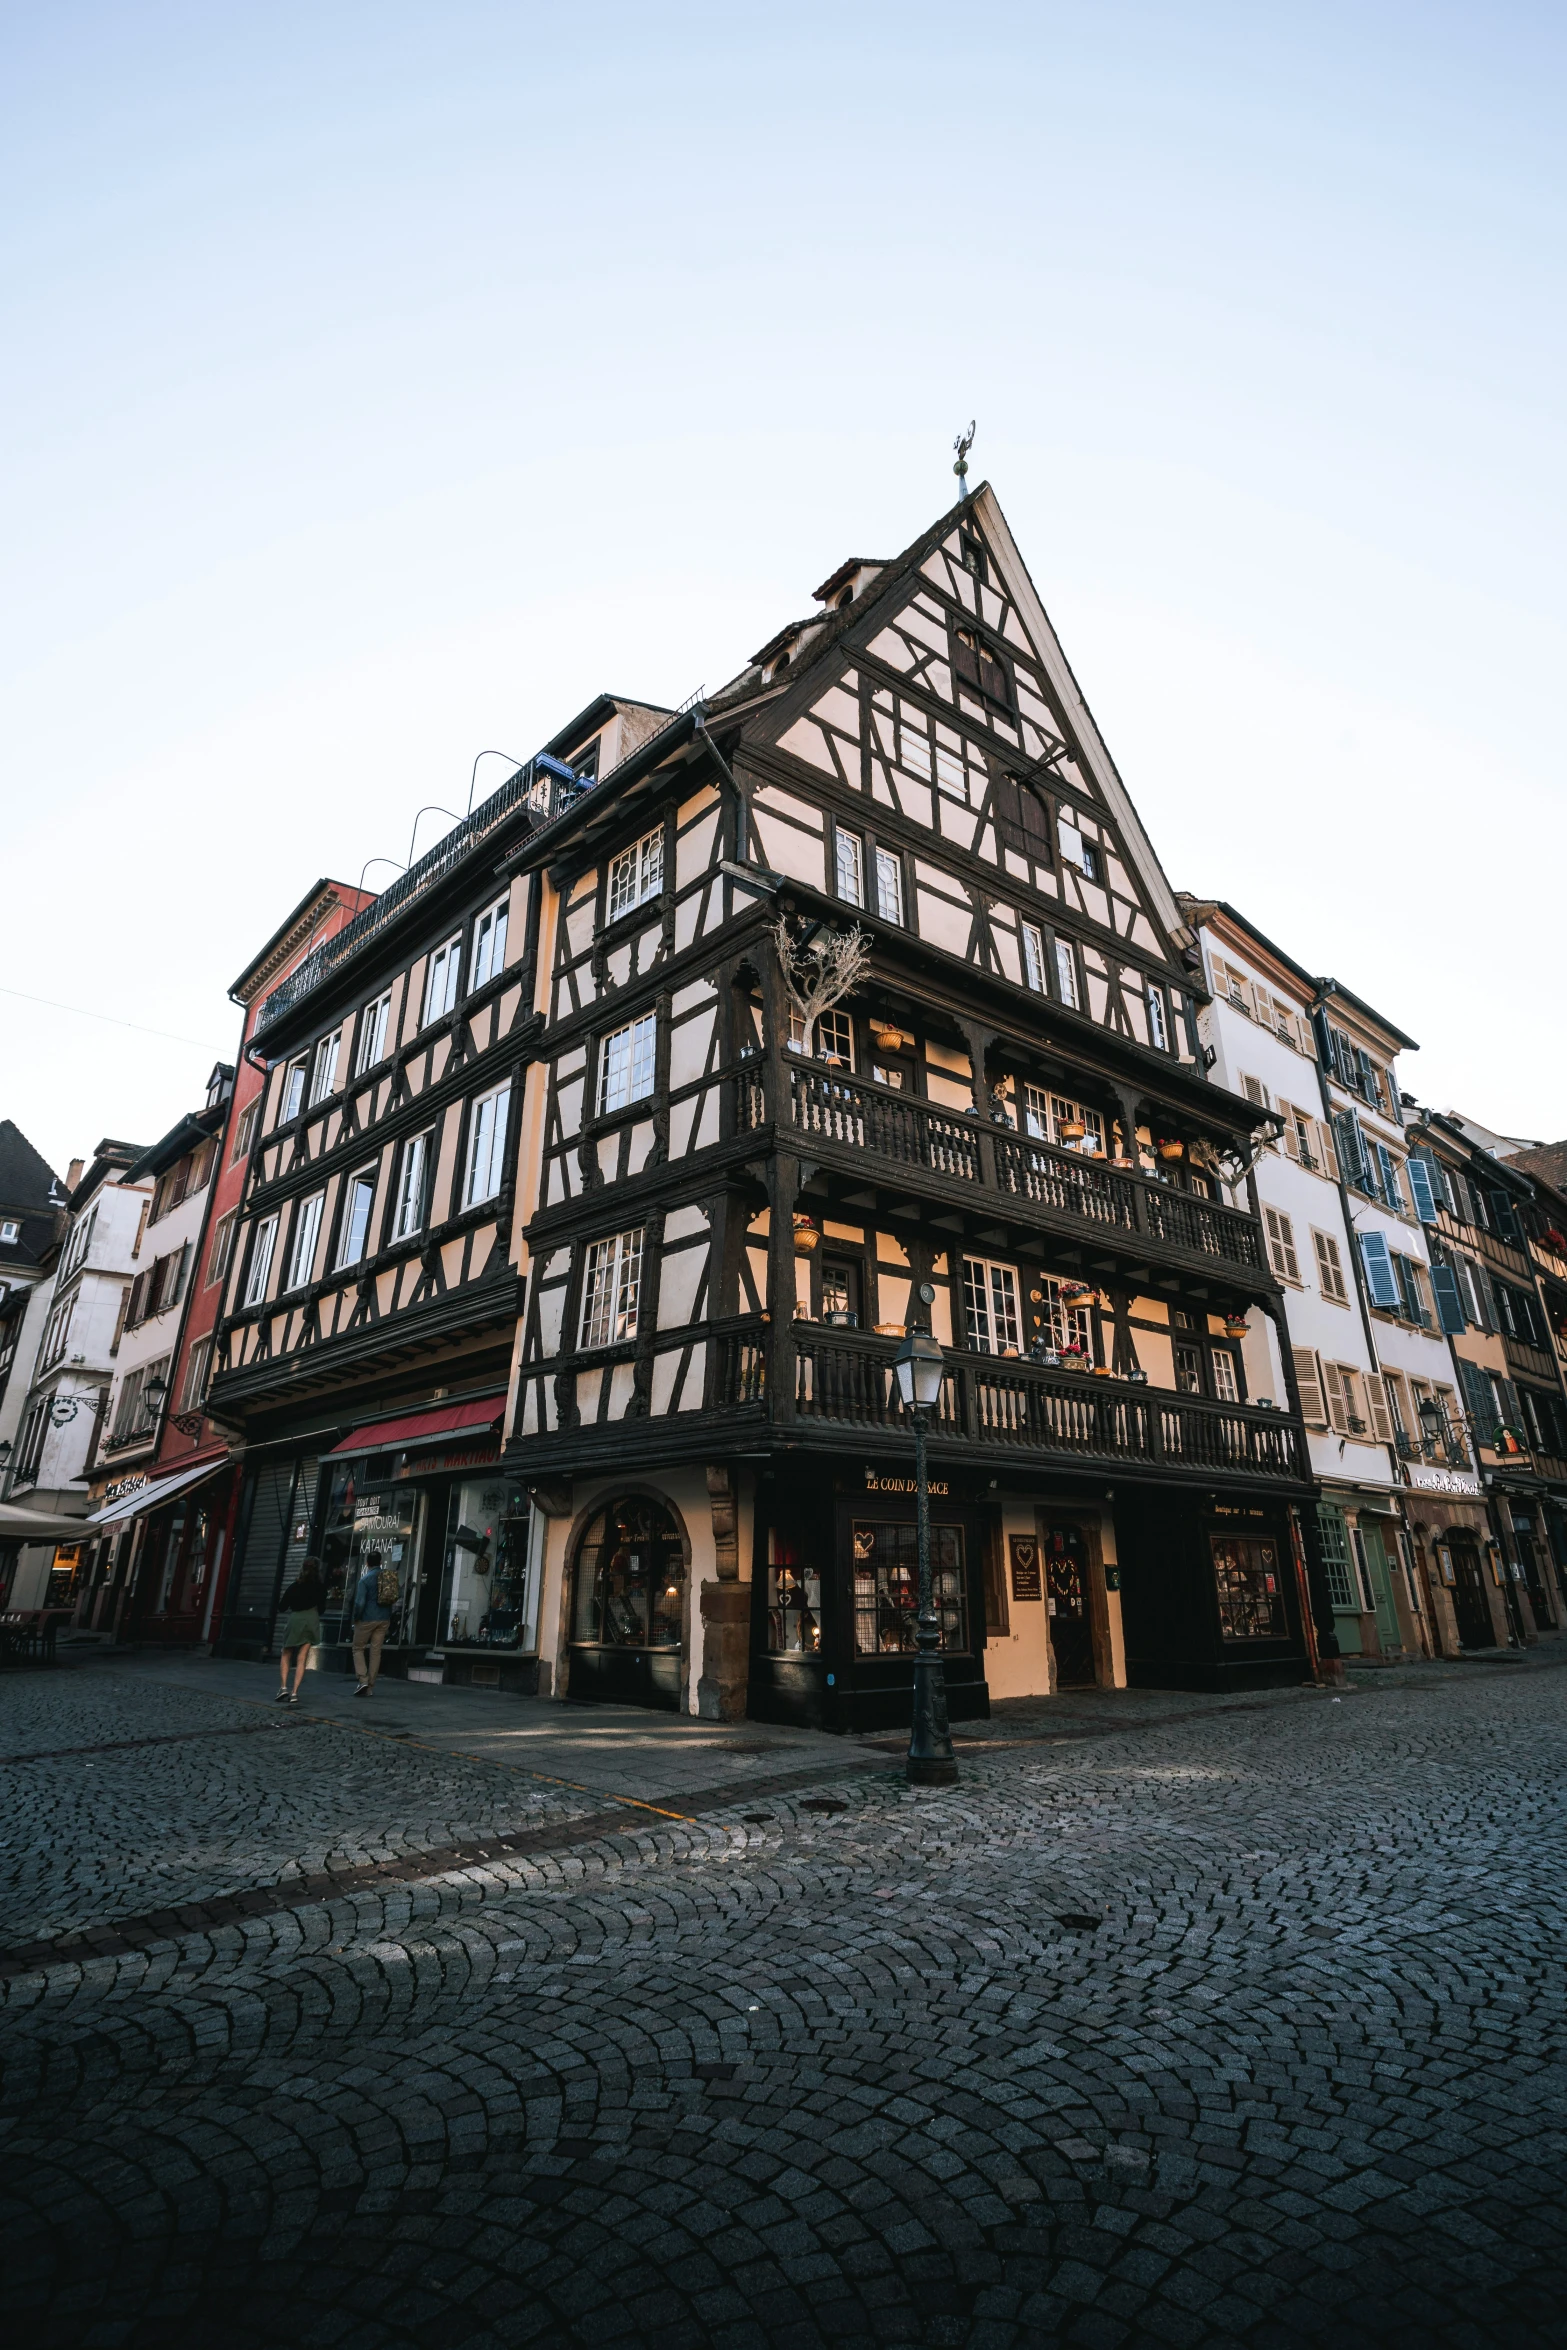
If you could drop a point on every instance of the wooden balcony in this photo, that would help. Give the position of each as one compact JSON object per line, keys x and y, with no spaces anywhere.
{"x":936,"y":1149}
{"x":842,"y":1382}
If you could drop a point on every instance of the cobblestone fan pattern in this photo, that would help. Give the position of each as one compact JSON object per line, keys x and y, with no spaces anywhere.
{"x":793,"y":2076}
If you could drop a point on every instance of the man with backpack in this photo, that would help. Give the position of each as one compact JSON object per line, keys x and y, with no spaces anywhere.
{"x":375,"y":1597}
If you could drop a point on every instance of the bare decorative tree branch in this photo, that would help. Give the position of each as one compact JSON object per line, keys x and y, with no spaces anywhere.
{"x":821,"y":973}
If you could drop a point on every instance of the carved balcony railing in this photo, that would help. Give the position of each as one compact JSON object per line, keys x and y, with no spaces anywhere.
{"x":845,"y":1379}
{"x":832,"y":1109}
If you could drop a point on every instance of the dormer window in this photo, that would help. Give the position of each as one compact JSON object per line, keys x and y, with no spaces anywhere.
{"x":979,"y":667}
{"x":972,"y":555}
{"x":847,"y":597}
{"x":780,"y":660}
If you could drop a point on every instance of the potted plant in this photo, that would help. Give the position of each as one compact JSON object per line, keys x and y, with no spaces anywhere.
{"x":888,"y":1038}
{"x":1071,"y":1129}
{"x":1235,"y":1325}
{"x":1169,"y":1146}
{"x":1075,"y":1293}
{"x":806,"y":1235}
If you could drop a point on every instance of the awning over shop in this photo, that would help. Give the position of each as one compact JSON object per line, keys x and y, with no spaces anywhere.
{"x":149,"y":1497}
{"x":19,"y":1525}
{"x":479,"y":1416}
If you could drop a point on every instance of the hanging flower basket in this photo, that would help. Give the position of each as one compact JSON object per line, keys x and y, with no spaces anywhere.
{"x":806,"y":1236}
{"x":889,"y":1039}
{"x":1071,"y":1129}
{"x":1169,"y":1148}
{"x":1235,"y":1325}
{"x":1075,"y":1293}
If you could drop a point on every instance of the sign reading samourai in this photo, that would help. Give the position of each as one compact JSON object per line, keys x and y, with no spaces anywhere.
{"x":1026,"y":1575}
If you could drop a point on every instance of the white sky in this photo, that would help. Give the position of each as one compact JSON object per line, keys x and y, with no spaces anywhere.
{"x":384,"y":381}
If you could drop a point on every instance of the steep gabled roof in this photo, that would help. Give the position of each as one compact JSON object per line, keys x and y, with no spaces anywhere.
{"x":26,"y":1179}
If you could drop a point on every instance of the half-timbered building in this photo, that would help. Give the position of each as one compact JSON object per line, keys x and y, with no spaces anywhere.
{"x":862,"y":1003}
{"x":370,"y":1289}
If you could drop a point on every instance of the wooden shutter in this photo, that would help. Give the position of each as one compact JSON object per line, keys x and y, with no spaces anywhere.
{"x":1376,"y":1396}
{"x":1380,"y":1276}
{"x":1338,"y":1407}
{"x":1422,"y":1187}
{"x":1449,"y":1303}
{"x":1326,"y":1152}
{"x":1281,"y":1245}
{"x":121,"y":1317}
{"x":1308,"y":1378}
{"x":133,"y":1310}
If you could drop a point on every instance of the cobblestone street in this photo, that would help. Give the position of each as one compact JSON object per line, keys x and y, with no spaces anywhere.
{"x":1179,"y":2021}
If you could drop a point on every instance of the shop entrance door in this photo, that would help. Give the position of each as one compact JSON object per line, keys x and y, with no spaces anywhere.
{"x":1066,"y":1595}
{"x":628,"y":1608}
{"x":1475,"y":1628}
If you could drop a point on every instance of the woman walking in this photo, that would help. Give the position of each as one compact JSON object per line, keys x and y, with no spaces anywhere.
{"x":302,"y":1631}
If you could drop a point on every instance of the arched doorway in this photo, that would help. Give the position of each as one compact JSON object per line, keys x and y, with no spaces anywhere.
{"x":628,"y":1607}
{"x":1470,"y":1606}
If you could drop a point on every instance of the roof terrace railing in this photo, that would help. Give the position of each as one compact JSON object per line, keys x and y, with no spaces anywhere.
{"x":545,"y":788}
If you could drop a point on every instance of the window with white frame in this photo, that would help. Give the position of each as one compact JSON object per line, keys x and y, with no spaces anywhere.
{"x":29,"y":1453}
{"x":489,"y":943}
{"x":1075,"y":848}
{"x":991,"y":1306}
{"x":245,"y":1131}
{"x":1067,"y":1328}
{"x":1158,"y":1020}
{"x":849,"y":857}
{"x":372,"y":1033}
{"x":57,"y":1333}
{"x":889,"y":886}
{"x":222,"y":1247}
{"x":1071,"y":1126}
{"x":323,"y":1075}
{"x":353,"y":1234}
{"x":198,"y":1364}
{"x":1226,"y":1387}
{"x":294,"y":1089}
{"x":636,"y":874}
{"x":307,"y":1230}
{"x":1034,"y":957}
{"x":611,"y":1287}
{"x":10,"y":1230}
{"x":627,"y":1057}
{"x":80,"y":1243}
{"x":440,"y":983}
{"x":1068,"y":985}
{"x":262,"y":1243}
{"x":486,"y":1167}
{"x":835,"y":1037}
{"x":127,"y":1410}
{"x":409,"y":1213}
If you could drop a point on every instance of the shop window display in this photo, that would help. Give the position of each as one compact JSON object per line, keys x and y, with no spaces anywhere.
{"x":368,"y":1523}
{"x":794,"y":1600}
{"x":886,"y":1587}
{"x":631,"y":1579}
{"x":484,"y":1585}
{"x":1251,"y":1588}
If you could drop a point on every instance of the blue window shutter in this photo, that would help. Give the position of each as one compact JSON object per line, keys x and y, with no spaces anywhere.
{"x":1421,"y":1185}
{"x":1449,"y":1305}
{"x":1380,"y":1276}
{"x":1477,"y":1394}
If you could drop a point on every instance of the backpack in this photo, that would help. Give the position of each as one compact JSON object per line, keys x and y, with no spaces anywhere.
{"x":387,"y":1586}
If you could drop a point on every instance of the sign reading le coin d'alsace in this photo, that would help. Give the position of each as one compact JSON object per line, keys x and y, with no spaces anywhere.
{"x":875,"y":1482}
{"x":1026,"y":1572}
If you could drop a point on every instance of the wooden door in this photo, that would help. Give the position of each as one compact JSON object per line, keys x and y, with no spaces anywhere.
{"x":1066,"y":1596}
{"x":1475,"y":1628}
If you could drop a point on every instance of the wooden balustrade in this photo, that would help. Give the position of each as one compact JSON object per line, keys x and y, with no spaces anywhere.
{"x":837,"y":1109}
{"x":845,"y":1379}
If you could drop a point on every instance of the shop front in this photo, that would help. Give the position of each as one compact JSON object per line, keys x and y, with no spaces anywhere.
{"x":1210,"y":1596}
{"x":1457,"y":1558}
{"x":835,"y":1596}
{"x":153,"y":1569}
{"x":421,"y":1503}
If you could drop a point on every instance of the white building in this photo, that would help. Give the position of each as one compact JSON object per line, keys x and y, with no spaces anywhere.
{"x":1345,"y":1241}
{"x":70,"y":1377}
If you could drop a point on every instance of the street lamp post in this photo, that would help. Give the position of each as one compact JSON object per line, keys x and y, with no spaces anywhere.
{"x":931,"y":1762}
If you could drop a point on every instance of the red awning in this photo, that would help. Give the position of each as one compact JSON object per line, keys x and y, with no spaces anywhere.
{"x":438,"y":1425}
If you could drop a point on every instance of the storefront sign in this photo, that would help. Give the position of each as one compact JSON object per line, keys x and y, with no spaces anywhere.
{"x":468,"y":1456}
{"x":875,"y":1482}
{"x":1027,"y":1574}
{"x":1427,"y":1480}
{"x":118,"y":1485}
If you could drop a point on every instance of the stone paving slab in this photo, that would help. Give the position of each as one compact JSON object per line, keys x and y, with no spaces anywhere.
{"x":857,"y":2075}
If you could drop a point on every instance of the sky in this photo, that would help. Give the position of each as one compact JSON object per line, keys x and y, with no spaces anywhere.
{"x":384,"y":382}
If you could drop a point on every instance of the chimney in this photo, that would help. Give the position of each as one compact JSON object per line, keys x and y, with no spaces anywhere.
{"x":73,"y":1175}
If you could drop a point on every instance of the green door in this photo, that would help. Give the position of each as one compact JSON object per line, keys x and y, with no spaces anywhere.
{"x":1379,"y":1587}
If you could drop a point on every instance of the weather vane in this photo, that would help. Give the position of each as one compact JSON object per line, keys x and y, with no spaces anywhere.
{"x":963,"y":444}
